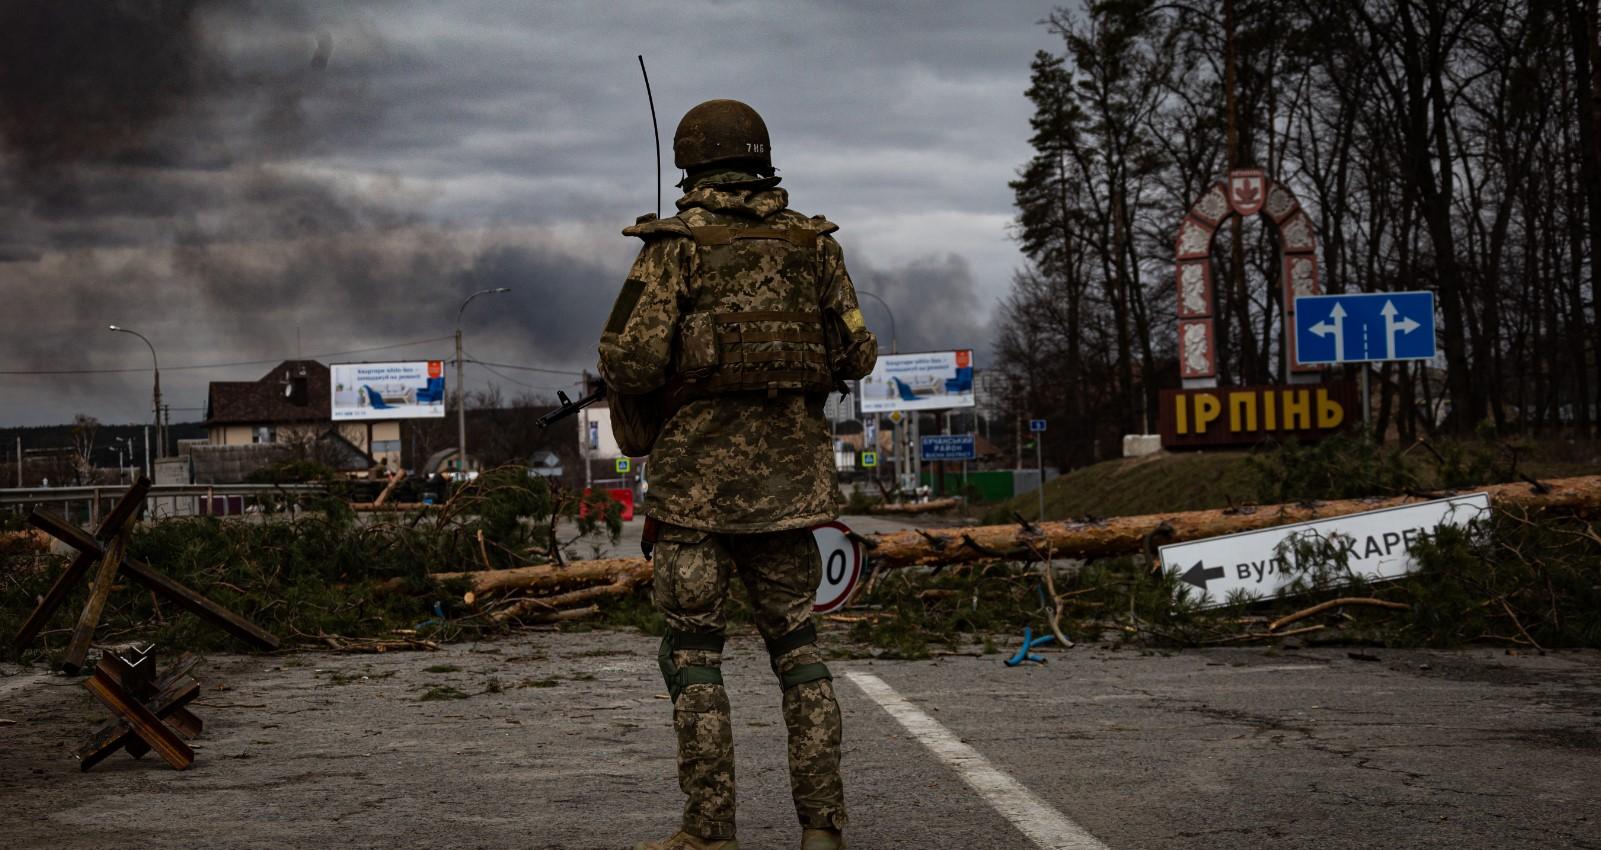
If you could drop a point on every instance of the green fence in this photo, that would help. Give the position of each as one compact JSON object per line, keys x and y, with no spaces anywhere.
{"x":990,"y":485}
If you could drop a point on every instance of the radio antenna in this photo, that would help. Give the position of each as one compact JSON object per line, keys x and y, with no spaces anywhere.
{"x":654,"y":129}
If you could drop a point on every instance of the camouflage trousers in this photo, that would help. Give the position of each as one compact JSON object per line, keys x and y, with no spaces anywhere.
{"x":780,"y":571}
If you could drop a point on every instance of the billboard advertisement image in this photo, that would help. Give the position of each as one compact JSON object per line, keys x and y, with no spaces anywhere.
{"x":932,"y":380}
{"x":414,"y":389}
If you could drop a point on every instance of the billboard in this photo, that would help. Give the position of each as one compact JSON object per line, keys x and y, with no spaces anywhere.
{"x":932,"y":380}
{"x":414,"y":389}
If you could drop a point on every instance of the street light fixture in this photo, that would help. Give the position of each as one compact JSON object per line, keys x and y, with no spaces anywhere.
{"x":161,"y":437}
{"x":874,"y":296}
{"x":461,"y":396}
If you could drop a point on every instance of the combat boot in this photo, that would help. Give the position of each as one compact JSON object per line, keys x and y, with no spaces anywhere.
{"x":685,"y":841}
{"x":822,"y":839}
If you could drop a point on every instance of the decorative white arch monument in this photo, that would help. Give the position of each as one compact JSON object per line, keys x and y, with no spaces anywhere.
{"x":1246,"y":192}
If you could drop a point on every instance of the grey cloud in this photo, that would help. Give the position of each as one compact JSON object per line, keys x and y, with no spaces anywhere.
{"x":352,"y":170}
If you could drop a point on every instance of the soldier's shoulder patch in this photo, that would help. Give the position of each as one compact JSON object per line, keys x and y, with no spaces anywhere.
{"x":854,"y":321}
{"x":648,"y":226}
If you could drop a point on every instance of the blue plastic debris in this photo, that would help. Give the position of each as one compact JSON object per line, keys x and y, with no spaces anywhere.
{"x":1029,"y":642}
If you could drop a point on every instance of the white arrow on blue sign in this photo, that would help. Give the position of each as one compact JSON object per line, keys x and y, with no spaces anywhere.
{"x":1364,"y":327}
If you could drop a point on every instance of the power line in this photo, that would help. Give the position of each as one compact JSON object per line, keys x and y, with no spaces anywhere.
{"x":524,"y":368}
{"x":486,"y":367}
{"x":224,"y":365}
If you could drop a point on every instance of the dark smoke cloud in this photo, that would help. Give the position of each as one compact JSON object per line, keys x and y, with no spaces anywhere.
{"x":239,"y":178}
{"x":936,"y":305}
{"x":82,"y":80}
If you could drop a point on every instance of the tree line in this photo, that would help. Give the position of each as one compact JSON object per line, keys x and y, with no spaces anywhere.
{"x":1448,"y":145}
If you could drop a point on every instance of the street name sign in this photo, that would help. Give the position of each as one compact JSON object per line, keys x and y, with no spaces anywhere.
{"x":842,"y":565}
{"x":1364,"y":327}
{"x":948,"y":447}
{"x":1377,"y":545}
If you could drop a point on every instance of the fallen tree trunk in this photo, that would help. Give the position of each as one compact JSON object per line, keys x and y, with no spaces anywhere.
{"x":1103,"y":538}
{"x":389,"y":488}
{"x":550,"y":576}
{"x":1130,"y":535}
{"x":914,"y":507}
{"x":395,"y":507}
{"x":546,"y":605}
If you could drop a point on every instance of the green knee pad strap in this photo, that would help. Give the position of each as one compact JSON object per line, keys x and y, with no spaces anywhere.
{"x":800,"y":674}
{"x":678,"y":678}
{"x":804,"y":636}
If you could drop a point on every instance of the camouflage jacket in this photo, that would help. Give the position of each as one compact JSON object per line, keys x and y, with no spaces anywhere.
{"x":747,"y":462}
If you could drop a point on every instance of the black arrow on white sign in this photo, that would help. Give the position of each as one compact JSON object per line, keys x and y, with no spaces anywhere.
{"x":1199,"y":575}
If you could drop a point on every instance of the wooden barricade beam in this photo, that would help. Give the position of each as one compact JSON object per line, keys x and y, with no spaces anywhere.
{"x":89,"y":548}
{"x":75,"y":571}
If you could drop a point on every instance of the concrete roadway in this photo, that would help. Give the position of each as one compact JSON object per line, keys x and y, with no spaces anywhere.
{"x":563,"y":742}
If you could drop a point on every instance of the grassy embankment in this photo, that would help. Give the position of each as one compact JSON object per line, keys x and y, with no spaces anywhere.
{"x":1190,"y":481}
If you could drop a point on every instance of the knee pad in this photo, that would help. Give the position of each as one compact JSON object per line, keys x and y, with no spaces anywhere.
{"x":800,"y":674}
{"x":678,"y":678}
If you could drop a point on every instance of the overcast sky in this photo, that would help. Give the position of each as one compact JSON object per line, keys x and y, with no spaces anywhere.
{"x":223,"y":176}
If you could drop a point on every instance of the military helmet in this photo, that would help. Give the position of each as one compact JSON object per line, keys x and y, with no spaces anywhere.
{"x":719,"y":131}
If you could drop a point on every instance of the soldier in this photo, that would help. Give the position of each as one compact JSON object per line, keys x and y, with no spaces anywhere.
{"x":736,"y":322}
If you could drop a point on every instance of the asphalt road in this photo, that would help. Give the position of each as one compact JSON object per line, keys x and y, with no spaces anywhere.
{"x":563,"y":742}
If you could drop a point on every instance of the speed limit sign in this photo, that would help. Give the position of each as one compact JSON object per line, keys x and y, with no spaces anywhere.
{"x":842,"y":565}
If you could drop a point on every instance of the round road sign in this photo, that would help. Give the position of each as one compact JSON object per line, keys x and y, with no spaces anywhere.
{"x":842,"y":565}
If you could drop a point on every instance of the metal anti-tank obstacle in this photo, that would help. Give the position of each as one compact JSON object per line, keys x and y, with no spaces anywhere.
{"x":150,"y":711}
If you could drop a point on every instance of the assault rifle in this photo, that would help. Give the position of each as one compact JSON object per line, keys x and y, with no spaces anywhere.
{"x":570,"y":407}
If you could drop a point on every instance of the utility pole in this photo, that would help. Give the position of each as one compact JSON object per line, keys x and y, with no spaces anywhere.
{"x":19,"y":463}
{"x":461,"y":387}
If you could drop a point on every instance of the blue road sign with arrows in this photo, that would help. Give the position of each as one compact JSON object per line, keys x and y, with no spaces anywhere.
{"x":1364,"y":327}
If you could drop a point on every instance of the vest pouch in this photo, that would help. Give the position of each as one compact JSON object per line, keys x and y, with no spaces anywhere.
{"x":697,"y":347}
{"x":637,"y":420}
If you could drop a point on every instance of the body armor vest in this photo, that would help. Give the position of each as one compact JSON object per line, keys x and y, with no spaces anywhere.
{"x":755,"y":323}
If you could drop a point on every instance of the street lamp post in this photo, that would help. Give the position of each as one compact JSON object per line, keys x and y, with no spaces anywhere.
{"x":461,"y":396}
{"x":161,"y":438}
{"x":878,"y":420}
{"x":121,"y":444}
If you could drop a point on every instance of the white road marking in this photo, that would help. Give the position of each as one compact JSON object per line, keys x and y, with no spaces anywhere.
{"x":1035,"y":818}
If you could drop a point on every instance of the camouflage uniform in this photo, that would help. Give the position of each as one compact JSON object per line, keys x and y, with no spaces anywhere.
{"x":737,"y":480}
